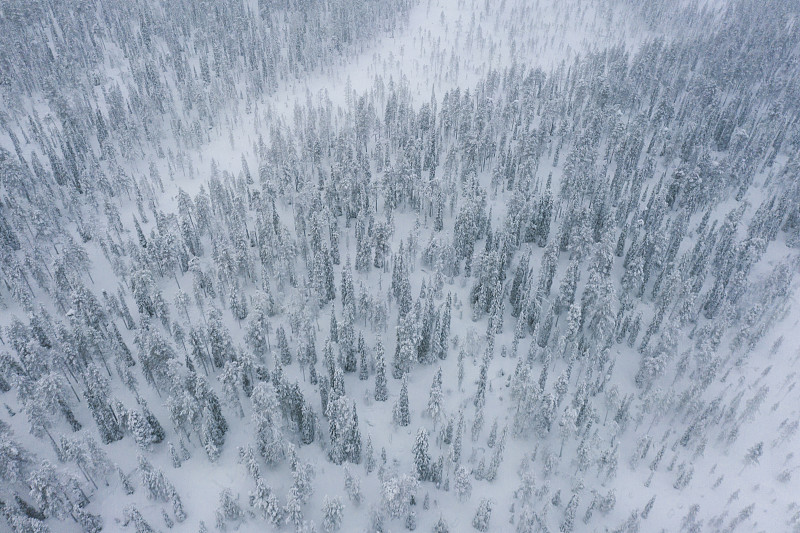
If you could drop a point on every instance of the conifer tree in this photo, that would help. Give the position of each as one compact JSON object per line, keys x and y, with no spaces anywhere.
{"x":173,"y":453}
{"x":568,"y":524}
{"x":263,"y":499}
{"x":294,"y":509}
{"x":369,"y":453}
{"x":339,"y":421}
{"x":482,"y":516}
{"x":381,"y":393}
{"x":177,"y":505}
{"x":456,"y":447}
{"x":96,"y":395}
{"x":401,"y":413}
{"x":363,"y":368}
{"x":353,"y":444}
{"x":435,"y":399}
{"x":333,"y":510}
{"x":308,"y":424}
{"x":422,"y":459}
{"x":462,"y":484}
{"x":132,"y":514}
{"x":283,"y":347}
{"x":352,"y":486}
{"x":269,"y":440}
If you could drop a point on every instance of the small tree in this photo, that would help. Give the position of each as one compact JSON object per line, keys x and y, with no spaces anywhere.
{"x":435,"y":398}
{"x":132,"y":514}
{"x":173,"y":453}
{"x":568,"y":524}
{"x":229,"y":507}
{"x":294,"y":510}
{"x":754,"y":454}
{"x":177,"y":505}
{"x":482,"y":516}
{"x":398,"y":493}
{"x":422,"y":459}
{"x":401,"y":413}
{"x":441,"y":526}
{"x":381,"y":393}
{"x":352,"y":486}
{"x":333,"y":511}
{"x":463,"y":486}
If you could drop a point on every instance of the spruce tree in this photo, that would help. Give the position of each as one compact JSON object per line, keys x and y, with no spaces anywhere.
{"x":173,"y":453}
{"x":283,"y":347}
{"x":568,"y":524}
{"x":422,"y":459}
{"x":363,"y":373}
{"x":435,"y":399}
{"x":482,"y":516}
{"x":369,"y":453}
{"x":308,"y":424}
{"x":333,"y":511}
{"x":96,"y":395}
{"x":353,"y":444}
{"x":401,"y":413}
{"x":462,"y":484}
{"x":381,"y":393}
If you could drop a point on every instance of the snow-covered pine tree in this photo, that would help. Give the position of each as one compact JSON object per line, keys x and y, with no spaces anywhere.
{"x":333,"y":512}
{"x":482,"y":515}
{"x":400,"y":413}
{"x":422,"y":459}
{"x":381,"y":394}
{"x":435,"y":399}
{"x":462,"y":484}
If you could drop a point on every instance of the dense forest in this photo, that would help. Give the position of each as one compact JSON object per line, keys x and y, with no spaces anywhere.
{"x":493,"y":292}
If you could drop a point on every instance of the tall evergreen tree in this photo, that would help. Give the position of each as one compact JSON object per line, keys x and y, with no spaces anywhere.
{"x":401,"y":414}
{"x":381,"y":394}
